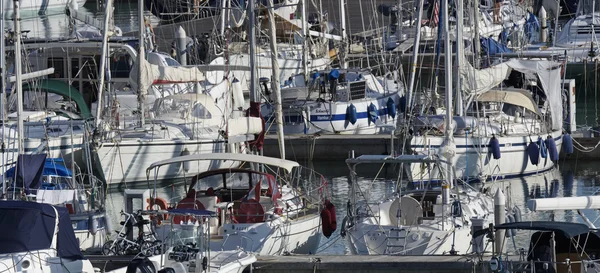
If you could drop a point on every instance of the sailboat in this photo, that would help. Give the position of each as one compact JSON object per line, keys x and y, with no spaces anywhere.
{"x":509,"y":120}
{"x":39,"y":180}
{"x":273,"y":208}
{"x":424,"y":221}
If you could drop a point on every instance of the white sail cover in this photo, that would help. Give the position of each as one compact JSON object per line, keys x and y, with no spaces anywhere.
{"x":548,"y":73}
{"x":478,"y":81}
{"x":154,"y":74}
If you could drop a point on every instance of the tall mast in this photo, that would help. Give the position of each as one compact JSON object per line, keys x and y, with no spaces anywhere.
{"x":251,"y":44}
{"x":2,"y":91}
{"x":449,"y":131}
{"x":459,"y":55}
{"x":305,"y":40}
{"x":141,"y":60}
{"x":275,"y":79}
{"x":18,"y":71}
{"x":413,"y":69}
{"x":103,"y":58}
{"x":342,"y":55}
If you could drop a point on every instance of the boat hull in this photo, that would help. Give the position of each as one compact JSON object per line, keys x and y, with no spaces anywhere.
{"x":300,"y":236}
{"x":474,"y":162}
{"x":331,"y":117}
{"x":126,"y":161}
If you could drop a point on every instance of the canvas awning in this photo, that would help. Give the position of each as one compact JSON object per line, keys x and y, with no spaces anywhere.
{"x":516,"y":97}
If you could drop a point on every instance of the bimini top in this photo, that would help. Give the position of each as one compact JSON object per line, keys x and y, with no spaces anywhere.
{"x":271,"y":161}
{"x":30,"y":226}
{"x":569,"y":230}
{"x":516,"y":97}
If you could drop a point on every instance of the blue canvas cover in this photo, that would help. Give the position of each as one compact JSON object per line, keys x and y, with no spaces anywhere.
{"x":29,"y":226}
{"x":52,"y":166}
{"x":492,"y":47}
{"x":30,"y":170}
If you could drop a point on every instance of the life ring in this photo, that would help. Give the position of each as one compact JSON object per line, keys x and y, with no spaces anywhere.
{"x":160,"y":202}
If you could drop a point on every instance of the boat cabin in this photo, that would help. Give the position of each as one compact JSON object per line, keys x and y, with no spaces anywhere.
{"x":238,"y":195}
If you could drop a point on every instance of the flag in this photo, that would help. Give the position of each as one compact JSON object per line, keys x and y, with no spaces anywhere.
{"x":435,"y":17}
{"x":254,"y":193}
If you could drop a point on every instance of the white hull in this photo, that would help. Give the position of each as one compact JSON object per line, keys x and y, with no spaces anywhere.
{"x":301,"y":236}
{"x":422,"y":241}
{"x":477,"y":163}
{"x":126,"y":161}
{"x":39,"y":6}
{"x":330,"y":117}
{"x":276,"y":237}
{"x":288,"y":67}
{"x":57,"y":147}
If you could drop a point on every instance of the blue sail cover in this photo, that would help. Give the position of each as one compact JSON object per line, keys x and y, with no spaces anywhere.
{"x":492,"y":47}
{"x":52,"y":166}
{"x":30,"y":226}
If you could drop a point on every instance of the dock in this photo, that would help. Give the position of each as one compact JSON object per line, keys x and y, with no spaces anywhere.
{"x":337,"y":147}
{"x":344,"y":263}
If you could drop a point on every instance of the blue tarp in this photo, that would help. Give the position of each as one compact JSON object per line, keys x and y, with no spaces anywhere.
{"x":52,"y":166}
{"x":492,"y":47}
{"x":29,"y":226}
{"x":30,"y":171}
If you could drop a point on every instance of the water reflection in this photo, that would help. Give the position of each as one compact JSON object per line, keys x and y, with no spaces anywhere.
{"x":569,"y":179}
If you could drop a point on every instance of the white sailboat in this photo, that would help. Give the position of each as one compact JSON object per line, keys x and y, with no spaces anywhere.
{"x":261,"y":212}
{"x":424,"y":221}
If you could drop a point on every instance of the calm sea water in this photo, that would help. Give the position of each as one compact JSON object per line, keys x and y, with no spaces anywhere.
{"x":569,"y":179}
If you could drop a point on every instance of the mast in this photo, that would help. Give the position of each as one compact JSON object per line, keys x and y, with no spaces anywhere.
{"x":2,"y":93}
{"x":252,"y":43}
{"x":141,"y":60}
{"x":103,"y":58}
{"x":18,"y":71}
{"x":275,"y":78}
{"x":342,"y":55}
{"x":304,"y":41}
{"x":413,"y":69}
{"x":459,"y":54}
{"x":448,"y":148}
{"x":476,"y":24}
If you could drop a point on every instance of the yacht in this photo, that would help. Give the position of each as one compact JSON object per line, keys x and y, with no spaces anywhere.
{"x":268,"y":212}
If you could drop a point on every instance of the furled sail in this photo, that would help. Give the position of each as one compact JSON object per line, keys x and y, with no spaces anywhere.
{"x":478,"y":81}
{"x":154,"y":74}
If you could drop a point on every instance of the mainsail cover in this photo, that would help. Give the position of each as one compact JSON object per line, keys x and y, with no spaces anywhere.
{"x":478,"y":81}
{"x":154,"y":74}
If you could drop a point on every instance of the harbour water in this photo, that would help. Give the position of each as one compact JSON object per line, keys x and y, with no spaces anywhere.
{"x":571,"y":178}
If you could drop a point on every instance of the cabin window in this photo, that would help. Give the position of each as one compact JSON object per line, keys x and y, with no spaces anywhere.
{"x":199,"y":111}
{"x":154,"y":58}
{"x":59,"y":68}
{"x":120,"y":66}
{"x":172,"y":62}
